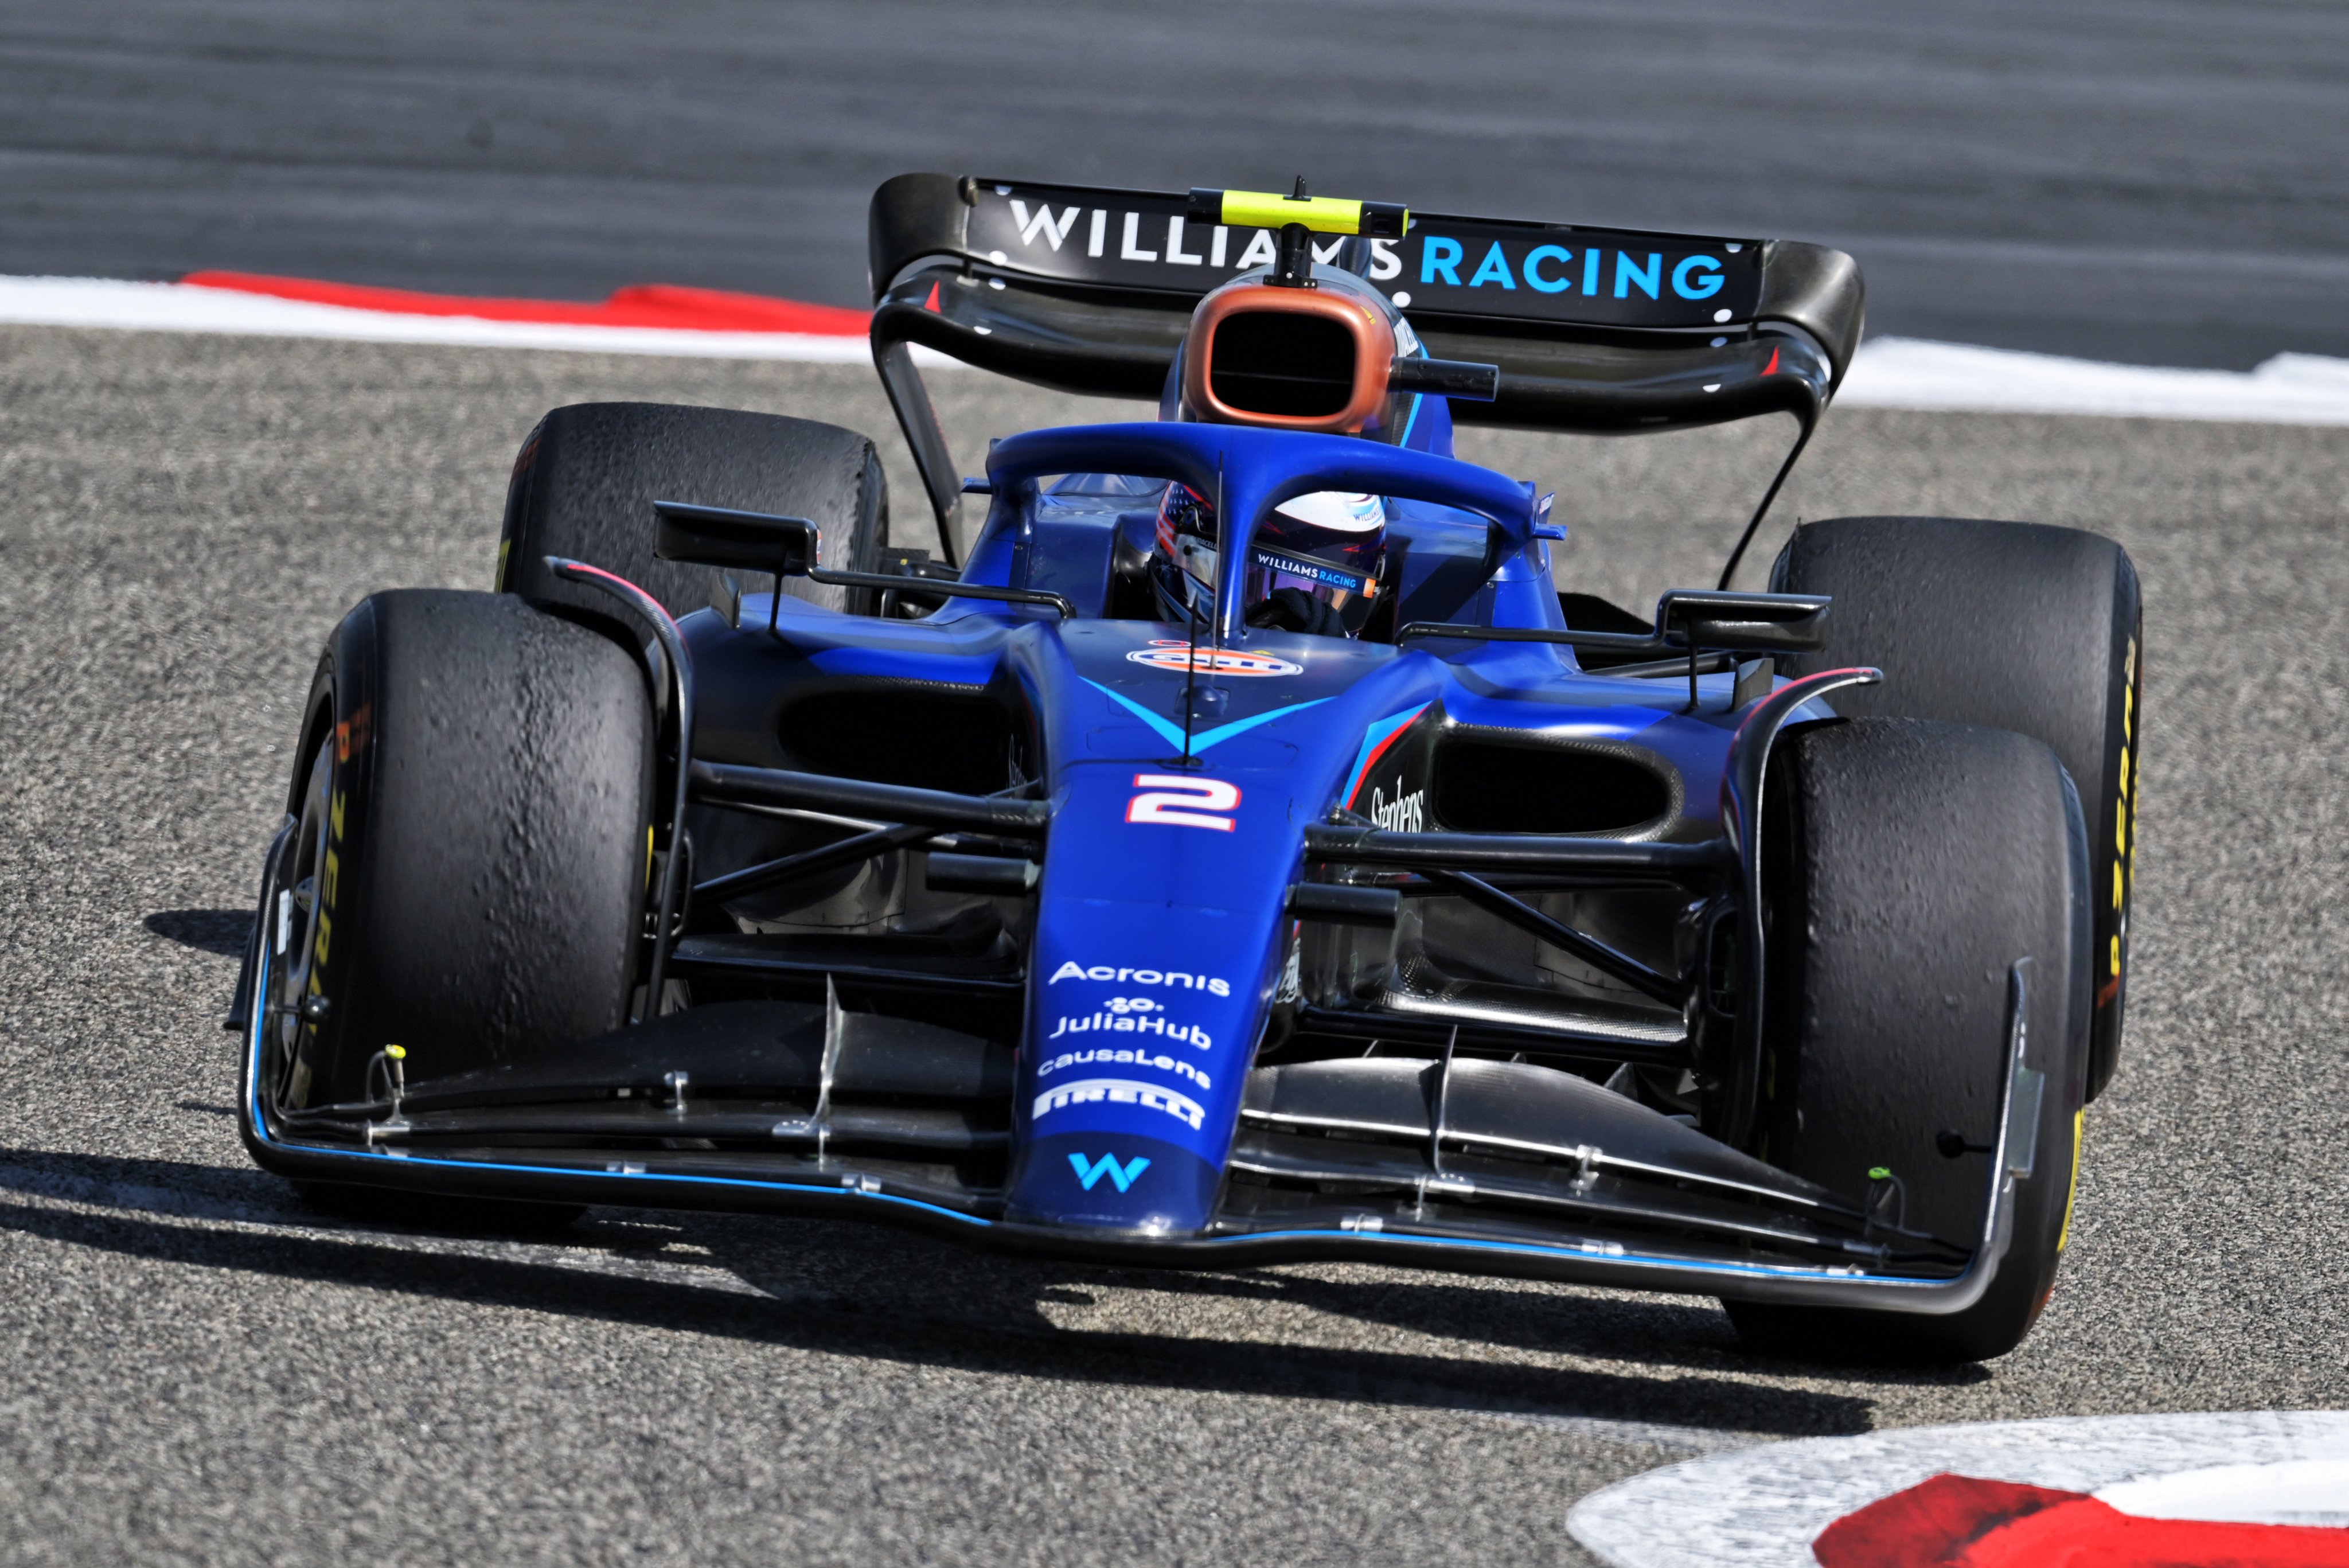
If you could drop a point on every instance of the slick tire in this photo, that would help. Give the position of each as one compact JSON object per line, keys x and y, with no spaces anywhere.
{"x":2016,"y":626}
{"x":585,"y":480}
{"x":1907,"y":866}
{"x":466,"y":868}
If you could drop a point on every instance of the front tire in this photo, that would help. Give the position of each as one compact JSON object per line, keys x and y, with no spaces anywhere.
{"x":1908,"y":866}
{"x":466,"y":875}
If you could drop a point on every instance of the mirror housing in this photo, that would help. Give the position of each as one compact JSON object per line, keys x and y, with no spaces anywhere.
{"x":786,"y":546}
{"x":743,"y":541}
{"x":1743,"y":622}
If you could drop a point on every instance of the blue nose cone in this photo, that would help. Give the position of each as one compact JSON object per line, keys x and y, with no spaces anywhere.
{"x":1150,"y":970}
{"x":1111,"y":1181}
{"x":1162,"y":917}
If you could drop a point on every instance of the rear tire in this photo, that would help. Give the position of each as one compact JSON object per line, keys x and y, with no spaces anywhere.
{"x":585,"y":480}
{"x":2016,"y":626}
{"x":1906,"y":866}
{"x":466,"y":877}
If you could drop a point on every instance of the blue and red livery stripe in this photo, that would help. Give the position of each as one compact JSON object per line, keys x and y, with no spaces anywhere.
{"x":1375,"y":742}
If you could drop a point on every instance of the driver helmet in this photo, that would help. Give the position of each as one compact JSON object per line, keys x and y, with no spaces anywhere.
{"x":1314,"y":566}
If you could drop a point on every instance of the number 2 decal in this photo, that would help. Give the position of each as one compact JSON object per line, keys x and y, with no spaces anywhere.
{"x":1181,"y":801}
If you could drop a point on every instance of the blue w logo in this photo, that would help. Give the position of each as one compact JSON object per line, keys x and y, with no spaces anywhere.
{"x":1107,"y":1165}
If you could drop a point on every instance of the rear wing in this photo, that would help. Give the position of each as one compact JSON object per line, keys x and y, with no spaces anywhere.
{"x":1087,"y":289}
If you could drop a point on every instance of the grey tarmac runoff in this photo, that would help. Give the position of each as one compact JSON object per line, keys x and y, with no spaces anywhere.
{"x":199,"y":1368}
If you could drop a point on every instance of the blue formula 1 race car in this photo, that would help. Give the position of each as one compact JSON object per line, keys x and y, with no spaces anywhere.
{"x":1247,"y":854}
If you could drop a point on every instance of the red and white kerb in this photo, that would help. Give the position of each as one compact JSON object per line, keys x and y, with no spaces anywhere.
{"x":2257,"y":1490}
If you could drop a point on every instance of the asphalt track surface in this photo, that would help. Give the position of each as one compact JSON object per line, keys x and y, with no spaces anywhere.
{"x":200,"y":1369}
{"x":2154,"y":183}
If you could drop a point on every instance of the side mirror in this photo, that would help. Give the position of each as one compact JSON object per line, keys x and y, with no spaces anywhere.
{"x":1742,"y":623}
{"x":744,"y":541}
{"x":786,"y":546}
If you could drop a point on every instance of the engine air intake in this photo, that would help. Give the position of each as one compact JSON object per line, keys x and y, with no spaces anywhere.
{"x":1282,"y":363}
{"x":1291,"y":358}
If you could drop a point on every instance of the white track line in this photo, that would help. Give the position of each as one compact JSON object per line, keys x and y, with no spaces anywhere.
{"x":1910,"y":373}
{"x":1888,"y":373}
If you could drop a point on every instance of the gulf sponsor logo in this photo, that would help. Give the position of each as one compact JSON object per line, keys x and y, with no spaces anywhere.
{"x":1172,"y":654}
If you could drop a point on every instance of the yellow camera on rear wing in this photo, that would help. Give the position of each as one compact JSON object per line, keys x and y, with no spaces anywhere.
{"x":1321,"y":214}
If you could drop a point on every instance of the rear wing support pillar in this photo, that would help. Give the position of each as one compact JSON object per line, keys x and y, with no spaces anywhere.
{"x":902,"y":379}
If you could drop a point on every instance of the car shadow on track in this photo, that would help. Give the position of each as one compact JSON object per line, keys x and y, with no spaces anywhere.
{"x":220,"y":931}
{"x":853,"y":1291}
{"x":1682,"y":1331}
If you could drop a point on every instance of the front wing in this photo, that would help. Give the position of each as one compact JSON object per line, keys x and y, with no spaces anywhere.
{"x":1290,"y":1197}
